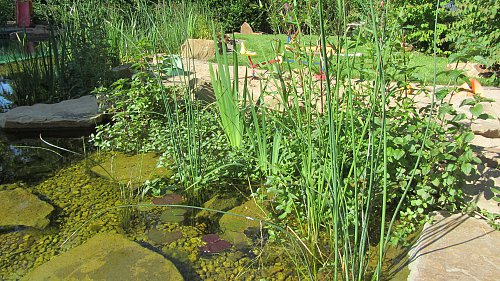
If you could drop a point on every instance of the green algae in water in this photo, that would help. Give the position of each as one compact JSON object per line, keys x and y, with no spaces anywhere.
{"x":134,"y":169}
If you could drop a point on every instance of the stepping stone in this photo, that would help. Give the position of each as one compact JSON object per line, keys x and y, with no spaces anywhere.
{"x":21,"y":208}
{"x":107,"y":257}
{"x":457,"y":247}
{"x":66,"y":117}
{"x":235,"y":227}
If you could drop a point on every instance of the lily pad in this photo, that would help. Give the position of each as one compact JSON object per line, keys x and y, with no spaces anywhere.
{"x":168,"y":199}
{"x":161,"y":237}
{"x":173,"y":215}
{"x":216,"y":247}
{"x":210,"y":238}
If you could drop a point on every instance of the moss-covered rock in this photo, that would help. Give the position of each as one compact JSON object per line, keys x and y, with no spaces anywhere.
{"x":234,"y":227}
{"x":135,"y":169}
{"x":107,"y":257}
{"x":220,"y":202}
{"x":20,"y":207}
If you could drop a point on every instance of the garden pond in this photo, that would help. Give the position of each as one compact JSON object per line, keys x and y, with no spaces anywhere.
{"x":202,"y":245}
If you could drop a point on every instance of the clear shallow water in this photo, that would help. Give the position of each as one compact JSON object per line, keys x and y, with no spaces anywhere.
{"x":66,"y":182}
{"x":77,"y":195}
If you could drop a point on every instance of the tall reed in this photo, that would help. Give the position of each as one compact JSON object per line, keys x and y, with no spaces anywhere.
{"x":229,"y":100}
{"x":337,"y":192}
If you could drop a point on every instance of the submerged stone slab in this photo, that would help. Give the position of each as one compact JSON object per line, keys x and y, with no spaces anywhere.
{"x":135,"y":169}
{"x":107,"y":257}
{"x":75,"y":114}
{"x":20,"y":207}
{"x":234,"y":227}
{"x":457,"y":247}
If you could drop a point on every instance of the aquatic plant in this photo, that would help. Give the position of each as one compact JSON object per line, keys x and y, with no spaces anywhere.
{"x":339,"y":162}
{"x":76,"y":58}
{"x":229,"y":99}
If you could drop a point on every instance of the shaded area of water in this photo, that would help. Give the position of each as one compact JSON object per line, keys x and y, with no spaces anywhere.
{"x":30,"y":160}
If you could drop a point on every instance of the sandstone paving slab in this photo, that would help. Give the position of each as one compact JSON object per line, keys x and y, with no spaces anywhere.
{"x":20,"y":207}
{"x":107,"y":257}
{"x":69,"y":114}
{"x":456,"y":247}
{"x":479,"y":186}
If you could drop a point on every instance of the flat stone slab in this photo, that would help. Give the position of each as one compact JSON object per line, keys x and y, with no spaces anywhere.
{"x":234,"y":227}
{"x":19,"y":207}
{"x":81,"y":113}
{"x":107,"y":257}
{"x":456,"y":248}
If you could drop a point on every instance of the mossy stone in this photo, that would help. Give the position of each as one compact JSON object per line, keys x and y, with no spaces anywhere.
{"x":135,"y":169}
{"x":20,"y":207}
{"x":234,"y":227}
{"x":220,"y":202}
{"x":107,"y":257}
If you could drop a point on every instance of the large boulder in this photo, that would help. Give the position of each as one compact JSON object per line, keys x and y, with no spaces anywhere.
{"x":246,"y":28}
{"x":135,"y":169}
{"x":76,"y":114}
{"x":21,"y":208}
{"x":200,"y":49}
{"x":107,"y":257}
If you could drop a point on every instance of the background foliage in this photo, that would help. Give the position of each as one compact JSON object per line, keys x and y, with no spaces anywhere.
{"x":7,"y":11}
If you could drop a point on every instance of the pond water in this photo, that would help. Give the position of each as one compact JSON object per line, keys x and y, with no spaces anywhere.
{"x":79,"y":197}
{"x":77,"y":194}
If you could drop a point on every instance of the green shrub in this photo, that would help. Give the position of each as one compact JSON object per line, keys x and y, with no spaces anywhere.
{"x":7,"y":12}
{"x":417,"y":18}
{"x":230,"y":15}
{"x":475,"y":30}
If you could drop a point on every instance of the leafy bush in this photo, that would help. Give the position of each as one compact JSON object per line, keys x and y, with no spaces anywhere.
{"x":7,"y":12}
{"x":470,"y":28}
{"x":230,"y":15}
{"x":150,"y":117}
{"x":417,"y":18}
{"x":475,"y":30}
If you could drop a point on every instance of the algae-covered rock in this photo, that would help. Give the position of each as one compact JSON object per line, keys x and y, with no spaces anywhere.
{"x":135,"y":169}
{"x":20,"y":207}
{"x":220,"y":202}
{"x":234,"y":227}
{"x":107,"y":257}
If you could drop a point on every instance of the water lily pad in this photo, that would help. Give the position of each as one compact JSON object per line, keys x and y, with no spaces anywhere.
{"x":210,"y":238}
{"x":161,"y":237}
{"x":216,"y":247}
{"x":168,"y":199}
{"x":173,"y":215}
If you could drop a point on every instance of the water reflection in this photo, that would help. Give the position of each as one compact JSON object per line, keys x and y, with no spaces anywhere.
{"x":30,"y":160}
